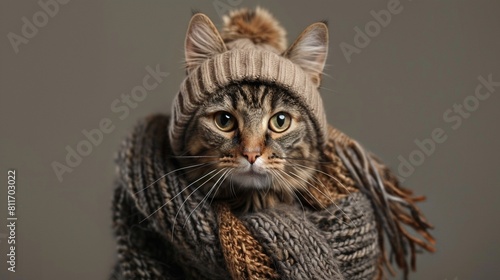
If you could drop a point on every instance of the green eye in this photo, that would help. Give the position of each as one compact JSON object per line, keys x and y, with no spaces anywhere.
{"x":280,"y":122}
{"x":224,"y":121}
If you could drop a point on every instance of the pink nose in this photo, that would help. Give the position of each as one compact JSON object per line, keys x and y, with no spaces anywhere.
{"x":251,"y":156}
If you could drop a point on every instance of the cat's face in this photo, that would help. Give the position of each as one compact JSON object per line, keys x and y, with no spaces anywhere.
{"x":251,"y":137}
{"x":253,"y":142}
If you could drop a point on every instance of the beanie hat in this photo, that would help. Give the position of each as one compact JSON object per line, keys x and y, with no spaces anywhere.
{"x":250,"y":49}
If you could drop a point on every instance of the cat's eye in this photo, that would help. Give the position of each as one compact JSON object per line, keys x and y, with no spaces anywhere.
{"x":224,"y":121}
{"x":280,"y":122}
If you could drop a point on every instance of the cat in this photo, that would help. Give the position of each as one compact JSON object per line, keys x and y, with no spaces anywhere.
{"x":248,"y":132}
{"x":253,"y":143}
{"x":252,"y":135}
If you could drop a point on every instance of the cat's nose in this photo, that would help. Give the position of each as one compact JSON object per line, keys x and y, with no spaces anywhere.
{"x":251,"y":156}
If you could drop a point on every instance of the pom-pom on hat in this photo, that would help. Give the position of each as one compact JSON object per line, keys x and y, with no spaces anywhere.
{"x":251,"y":48}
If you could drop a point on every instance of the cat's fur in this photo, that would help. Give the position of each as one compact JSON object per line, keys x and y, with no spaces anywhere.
{"x":228,"y":172}
{"x":230,"y":135}
{"x":274,"y":176}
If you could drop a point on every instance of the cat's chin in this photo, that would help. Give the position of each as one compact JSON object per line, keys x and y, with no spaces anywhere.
{"x":251,"y":179}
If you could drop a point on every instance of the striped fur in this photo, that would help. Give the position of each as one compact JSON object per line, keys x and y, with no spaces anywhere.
{"x":213,"y":65}
{"x":349,"y":203}
{"x":246,"y":71}
{"x":278,"y":179}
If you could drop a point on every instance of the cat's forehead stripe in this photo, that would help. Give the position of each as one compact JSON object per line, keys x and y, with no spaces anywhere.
{"x":239,"y":65}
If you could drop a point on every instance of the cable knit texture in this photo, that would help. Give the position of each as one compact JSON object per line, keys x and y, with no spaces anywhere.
{"x":354,"y":205}
{"x":186,"y":238}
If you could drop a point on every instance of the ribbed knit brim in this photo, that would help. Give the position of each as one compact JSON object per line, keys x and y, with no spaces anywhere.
{"x":243,"y":65}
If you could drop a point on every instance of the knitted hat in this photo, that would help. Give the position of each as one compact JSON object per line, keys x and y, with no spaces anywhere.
{"x":249,"y":50}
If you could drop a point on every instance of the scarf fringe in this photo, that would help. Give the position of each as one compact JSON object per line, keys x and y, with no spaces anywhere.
{"x":395,"y":207}
{"x":164,"y":231}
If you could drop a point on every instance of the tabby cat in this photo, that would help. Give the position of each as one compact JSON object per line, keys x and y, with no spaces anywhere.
{"x":253,"y":143}
{"x":248,"y":130}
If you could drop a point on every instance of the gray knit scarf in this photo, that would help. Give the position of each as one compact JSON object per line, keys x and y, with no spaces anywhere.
{"x":188,"y":239}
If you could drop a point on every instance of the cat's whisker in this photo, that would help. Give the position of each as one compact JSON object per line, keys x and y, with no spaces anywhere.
{"x":291,"y":188}
{"x":324,"y":173}
{"x":269,"y":187}
{"x":319,"y":203}
{"x":304,"y":187}
{"x":170,"y":200}
{"x":195,"y":190}
{"x":230,"y":172}
{"x":231,"y":185}
{"x":218,"y":184}
{"x":215,"y":186}
{"x":283,"y":183}
{"x":173,"y":171}
{"x":312,"y":177}
{"x":300,"y":202}
{"x":325,"y":195}
{"x":185,"y":152}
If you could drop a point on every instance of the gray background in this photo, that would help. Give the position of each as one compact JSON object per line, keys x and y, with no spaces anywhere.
{"x":393,"y":92}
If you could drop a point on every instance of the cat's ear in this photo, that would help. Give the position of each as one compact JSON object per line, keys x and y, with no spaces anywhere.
{"x":202,"y":41}
{"x":310,"y":49}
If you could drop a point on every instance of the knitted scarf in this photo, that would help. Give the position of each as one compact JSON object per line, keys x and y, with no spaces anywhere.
{"x":166,"y":230}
